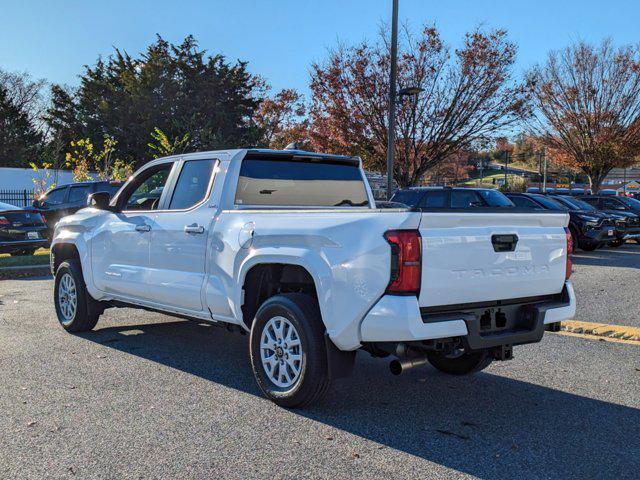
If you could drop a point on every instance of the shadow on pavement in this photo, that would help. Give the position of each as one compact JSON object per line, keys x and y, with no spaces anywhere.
{"x":627,"y":257}
{"x":485,"y":425}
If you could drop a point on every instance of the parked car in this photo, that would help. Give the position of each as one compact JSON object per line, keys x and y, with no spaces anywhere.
{"x":22,"y":231}
{"x":623,"y":222}
{"x":619,"y":206}
{"x":290,"y":247}
{"x":451,"y":197}
{"x":589,"y":230}
{"x":68,"y":199}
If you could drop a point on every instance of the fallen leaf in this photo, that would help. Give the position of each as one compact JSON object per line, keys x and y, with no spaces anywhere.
{"x":32,"y":424}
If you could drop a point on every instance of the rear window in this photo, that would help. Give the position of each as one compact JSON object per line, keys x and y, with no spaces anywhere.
{"x":300,"y":183}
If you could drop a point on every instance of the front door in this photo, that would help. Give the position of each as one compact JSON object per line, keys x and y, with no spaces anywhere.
{"x":120,"y":246}
{"x":179,"y":234}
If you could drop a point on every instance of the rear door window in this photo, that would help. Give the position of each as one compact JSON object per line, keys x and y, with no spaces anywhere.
{"x":465,"y":199}
{"x":192,"y":184}
{"x":434,"y":199}
{"x":78,"y":194}
{"x":304,"y":183}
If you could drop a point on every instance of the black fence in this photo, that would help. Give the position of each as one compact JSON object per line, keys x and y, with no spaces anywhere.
{"x":19,"y":198}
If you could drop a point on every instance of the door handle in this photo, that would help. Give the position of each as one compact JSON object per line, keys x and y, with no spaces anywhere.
{"x":195,"y":228}
{"x":142,"y":228}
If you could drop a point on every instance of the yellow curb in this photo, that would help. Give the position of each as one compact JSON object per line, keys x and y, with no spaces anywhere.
{"x":619,"y":332}
{"x":595,"y":338}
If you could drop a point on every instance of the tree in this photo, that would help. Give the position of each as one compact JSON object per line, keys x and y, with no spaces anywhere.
{"x":162,"y":146}
{"x":587,"y":106}
{"x":282,"y":120}
{"x":468,"y":96}
{"x":176,"y":88}
{"x":19,"y":140}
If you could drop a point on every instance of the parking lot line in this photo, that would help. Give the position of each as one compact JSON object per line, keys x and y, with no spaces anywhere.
{"x":602,"y":330}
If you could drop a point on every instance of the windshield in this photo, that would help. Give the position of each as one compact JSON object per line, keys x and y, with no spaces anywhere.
{"x":568,"y":202}
{"x":584,"y":205}
{"x":495,"y":198}
{"x":549,"y":203}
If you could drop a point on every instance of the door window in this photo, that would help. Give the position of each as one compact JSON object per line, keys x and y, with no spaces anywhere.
{"x":79,"y":193}
{"x":54,"y":197}
{"x":612,"y":204}
{"x":146,"y":195}
{"x":192,"y":184}
{"x":436,"y":199}
{"x":465,"y":199}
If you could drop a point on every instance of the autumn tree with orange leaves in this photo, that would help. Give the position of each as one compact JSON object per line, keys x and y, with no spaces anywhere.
{"x":282,"y":120}
{"x":587,"y":107}
{"x":468,"y":97}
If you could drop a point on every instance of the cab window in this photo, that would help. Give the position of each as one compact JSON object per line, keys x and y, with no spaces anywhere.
{"x":147,"y":190}
{"x":192,"y":184}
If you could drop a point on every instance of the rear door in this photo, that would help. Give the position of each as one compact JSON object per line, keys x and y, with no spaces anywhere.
{"x":179,"y":232}
{"x":484,"y":256}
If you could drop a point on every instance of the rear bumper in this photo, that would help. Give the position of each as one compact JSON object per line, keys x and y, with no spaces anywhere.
{"x":398,"y":319}
{"x":8,"y":247}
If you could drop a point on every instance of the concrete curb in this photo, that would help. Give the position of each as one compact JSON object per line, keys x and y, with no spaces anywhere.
{"x":10,"y":273}
{"x":619,"y":332}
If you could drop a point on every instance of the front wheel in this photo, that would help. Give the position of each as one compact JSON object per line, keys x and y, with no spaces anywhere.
{"x":460,"y":363}
{"x":588,"y":247}
{"x":288,"y":353}
{"x":77,"y":311}
{"x":616,"y":243}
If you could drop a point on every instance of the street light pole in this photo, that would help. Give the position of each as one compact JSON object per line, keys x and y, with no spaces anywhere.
{"x":392,"y":99}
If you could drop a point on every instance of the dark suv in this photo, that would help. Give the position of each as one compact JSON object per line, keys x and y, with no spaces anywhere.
{"x":68,"y":199}
{"x":619,"y":207}
{"x":451,"y":197}
{"x":589,"y":229}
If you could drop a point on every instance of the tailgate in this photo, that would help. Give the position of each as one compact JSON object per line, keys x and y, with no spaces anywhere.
{"x":460,"y":263}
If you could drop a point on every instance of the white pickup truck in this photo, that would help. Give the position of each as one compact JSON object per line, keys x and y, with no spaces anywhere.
{"x":290,"y":247}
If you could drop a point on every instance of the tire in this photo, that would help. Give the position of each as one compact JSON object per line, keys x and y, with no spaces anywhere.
{"x":616,"y":243}
{"x":25,"y":252}
{"x":588,"y":247}
{"x":69,"y":282}
{"x":302,"y":381}
{"x":468,"y":362}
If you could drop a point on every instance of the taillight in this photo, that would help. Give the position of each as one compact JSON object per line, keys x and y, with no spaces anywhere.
{"x":569,"y":252}
{"x":4,"y":222}
{"x":406,"y":261}
{"x":44,"y":220}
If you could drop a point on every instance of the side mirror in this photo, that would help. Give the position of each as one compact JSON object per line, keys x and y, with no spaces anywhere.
{"x":99,"y":200}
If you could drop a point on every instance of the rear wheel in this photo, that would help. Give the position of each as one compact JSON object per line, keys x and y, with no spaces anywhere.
{"x":288,"y":353}
{"x":460,"y":363}
{"x":77,"y":311}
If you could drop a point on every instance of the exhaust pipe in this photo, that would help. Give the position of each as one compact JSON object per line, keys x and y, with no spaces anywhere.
{"x":401,"y":365}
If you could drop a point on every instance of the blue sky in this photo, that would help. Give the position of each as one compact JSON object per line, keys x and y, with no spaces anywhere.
{"x":280,"y":38}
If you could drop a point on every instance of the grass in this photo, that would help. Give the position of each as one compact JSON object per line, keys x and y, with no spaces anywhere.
{"x":41,"y":257}
{"x":487,"y":180}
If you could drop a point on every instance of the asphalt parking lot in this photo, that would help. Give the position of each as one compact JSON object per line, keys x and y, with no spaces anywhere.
{"x":149,"y":396}
{"x":610,"y":294}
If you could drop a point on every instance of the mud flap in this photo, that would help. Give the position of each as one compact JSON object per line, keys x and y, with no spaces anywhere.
{"x":340,"y":363}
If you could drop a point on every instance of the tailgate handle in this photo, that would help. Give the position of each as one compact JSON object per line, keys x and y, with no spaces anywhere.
{"x":504,"y":243}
